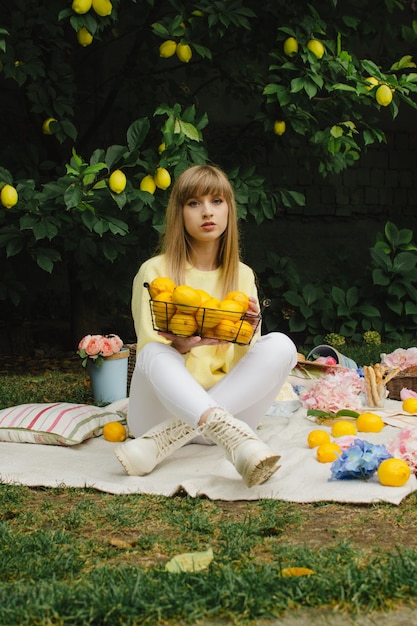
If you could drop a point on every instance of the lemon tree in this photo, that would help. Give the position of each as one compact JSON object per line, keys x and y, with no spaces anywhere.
{"x":120,"y":79}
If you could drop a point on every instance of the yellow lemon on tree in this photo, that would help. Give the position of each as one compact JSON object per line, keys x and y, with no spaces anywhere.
{"x":117,"y":181}
{"x":161,"y":284}
{"x":114,"y":431}
{"x":162,"y":178}
{"x":393,"y":472}
{"x":183,"y":324}
{"x":369,"y":423}
{"x":342,"y":428}
{"x":184,"y":52}
{"x":316,"y":437}
{"x":383,"y":95}
{"x":186,"y":298}
{"x":316,"y":47}
{"x":84,"y":37}
{"x":328,"y":452}
{"x":8,"y":196}
{"x":279,"y":127}
{"x":240,"y":297}
{"x":46,"y":126}
{"x":372,"y":81}
{"x":290,"y":46}
{"x":102,"y":7}
{"x":410,"y":405}
{"x":148,"y":184}
{"x":226,"y":330}
{"x":167,"y":48}
{"x":161,"y":147}
{"x":244,"y":332}
{"x":81,"y":6}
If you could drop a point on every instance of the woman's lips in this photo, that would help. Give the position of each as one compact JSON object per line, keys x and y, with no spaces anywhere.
{"x":208,"y":225}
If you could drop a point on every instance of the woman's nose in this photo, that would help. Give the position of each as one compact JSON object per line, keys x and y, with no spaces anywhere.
{"x":207,"y":210}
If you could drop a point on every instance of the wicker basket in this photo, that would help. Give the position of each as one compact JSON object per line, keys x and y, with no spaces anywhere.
{"x":406,"y":378}
{"x":131,"y":363}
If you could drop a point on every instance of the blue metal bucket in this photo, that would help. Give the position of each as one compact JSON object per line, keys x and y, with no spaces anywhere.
{"x":341,"y":359}
{"x":109,"y":380}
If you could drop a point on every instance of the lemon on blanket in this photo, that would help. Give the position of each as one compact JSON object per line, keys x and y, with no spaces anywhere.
{"x":393,"y":472}
{"x":328,"y":452}
{"x":342,"y":428}
{"x":410,"y":405}
{"x":317,"y":437}
{"x":370,"y":423}
{"x":114,"y":431}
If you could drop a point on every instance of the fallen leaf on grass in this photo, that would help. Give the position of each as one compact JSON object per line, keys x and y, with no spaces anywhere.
{"x":190,"y":562}
{"x":296,"y":571}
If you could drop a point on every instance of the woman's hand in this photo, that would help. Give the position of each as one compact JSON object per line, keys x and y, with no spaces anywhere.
{"x":185,"y":344}
{"x":252,"y":313}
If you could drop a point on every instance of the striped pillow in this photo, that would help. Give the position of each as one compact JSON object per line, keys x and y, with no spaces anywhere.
{"x":61,"y":423}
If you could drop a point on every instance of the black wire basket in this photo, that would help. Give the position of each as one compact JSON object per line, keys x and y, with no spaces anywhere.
{"x":186,"y":320}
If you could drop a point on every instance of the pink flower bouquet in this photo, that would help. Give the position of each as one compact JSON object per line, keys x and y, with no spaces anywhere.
{"x":98,"y":347}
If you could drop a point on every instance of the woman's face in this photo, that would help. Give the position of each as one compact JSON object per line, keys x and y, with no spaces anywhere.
{"x":205,"y":217}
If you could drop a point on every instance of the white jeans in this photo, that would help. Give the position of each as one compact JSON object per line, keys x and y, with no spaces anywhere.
{"x":162,"y":387}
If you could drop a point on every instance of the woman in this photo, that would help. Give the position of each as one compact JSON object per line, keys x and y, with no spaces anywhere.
{"x":188,"y":387}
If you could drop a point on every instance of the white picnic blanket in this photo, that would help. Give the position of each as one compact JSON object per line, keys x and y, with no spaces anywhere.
{"x":203,"y":470}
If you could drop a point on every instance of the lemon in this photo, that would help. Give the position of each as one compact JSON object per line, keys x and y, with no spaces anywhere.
{"x":342,"y":428}
{"x":184,"y":52}
{"x":163,"y":309}
{"x":114,"y":431}
{"x":161,"y":148}
{"x":81,"y":6}
{"x":167,"y":48}
{"x":317,"y":437}
{"x":410,"y":405}
{"x":46,"y":126}
{"x":225,"y":330}
{"x":8,"y":196}
{"x":187,"y":299}
{"x":316,"y":47}
{"x":117,"y":181}
{"x":162,"y":178}
{"x":84,"y":37}
{"x":393,"y":472}
{"x":244,"y":332}
{"x":383,"y":95}
{"x":369,"y":423}
{"x":147,"y":184}
{"x":372,"y":81}
{"x":328,"y":452}
{"x":239,"y":296}
{"x":290,"y":46}
{"x":183,"y":324}
{"x":279,"y":127}
{"x":102,"y":7}
{"x":161,"y":284}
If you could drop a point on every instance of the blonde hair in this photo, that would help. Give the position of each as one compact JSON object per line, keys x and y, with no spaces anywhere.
{"x":200,"y":180}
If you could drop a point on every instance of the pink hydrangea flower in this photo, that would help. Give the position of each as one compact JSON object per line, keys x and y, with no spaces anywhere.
{"x":337,"y":389}
{"x":404,"y":446}
{"x":401,"y":357}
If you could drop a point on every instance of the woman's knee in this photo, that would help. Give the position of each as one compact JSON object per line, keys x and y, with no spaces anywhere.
{"x":279,"y":348}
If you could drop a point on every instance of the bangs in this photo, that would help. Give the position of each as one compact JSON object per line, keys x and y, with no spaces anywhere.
{"x":207,"y":182}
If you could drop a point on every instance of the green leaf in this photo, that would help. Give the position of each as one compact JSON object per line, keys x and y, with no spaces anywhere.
{"x":137,"y":132}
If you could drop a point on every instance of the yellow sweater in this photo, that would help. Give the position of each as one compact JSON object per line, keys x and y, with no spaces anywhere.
{"x":208,"y":364}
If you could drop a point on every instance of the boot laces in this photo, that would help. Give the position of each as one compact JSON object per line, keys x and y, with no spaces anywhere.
{"x":166,"y":438}
{"x":228,"y":430}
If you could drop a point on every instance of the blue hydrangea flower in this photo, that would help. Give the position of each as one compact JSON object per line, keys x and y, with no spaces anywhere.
{"x":360,"y":460}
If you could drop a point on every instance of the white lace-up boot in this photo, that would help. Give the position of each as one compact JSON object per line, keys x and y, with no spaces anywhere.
{"x":253,"y":459}
{"x":140,"y":456}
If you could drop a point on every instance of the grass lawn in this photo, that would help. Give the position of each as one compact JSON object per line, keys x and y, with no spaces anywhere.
{"x":72,"y":556}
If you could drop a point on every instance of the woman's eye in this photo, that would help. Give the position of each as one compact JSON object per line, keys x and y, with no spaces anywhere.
{"x":192,"y":203}
{"x":218,"y":201}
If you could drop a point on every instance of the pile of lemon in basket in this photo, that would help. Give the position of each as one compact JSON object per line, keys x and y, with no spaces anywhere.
{"x":185,"y":311}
